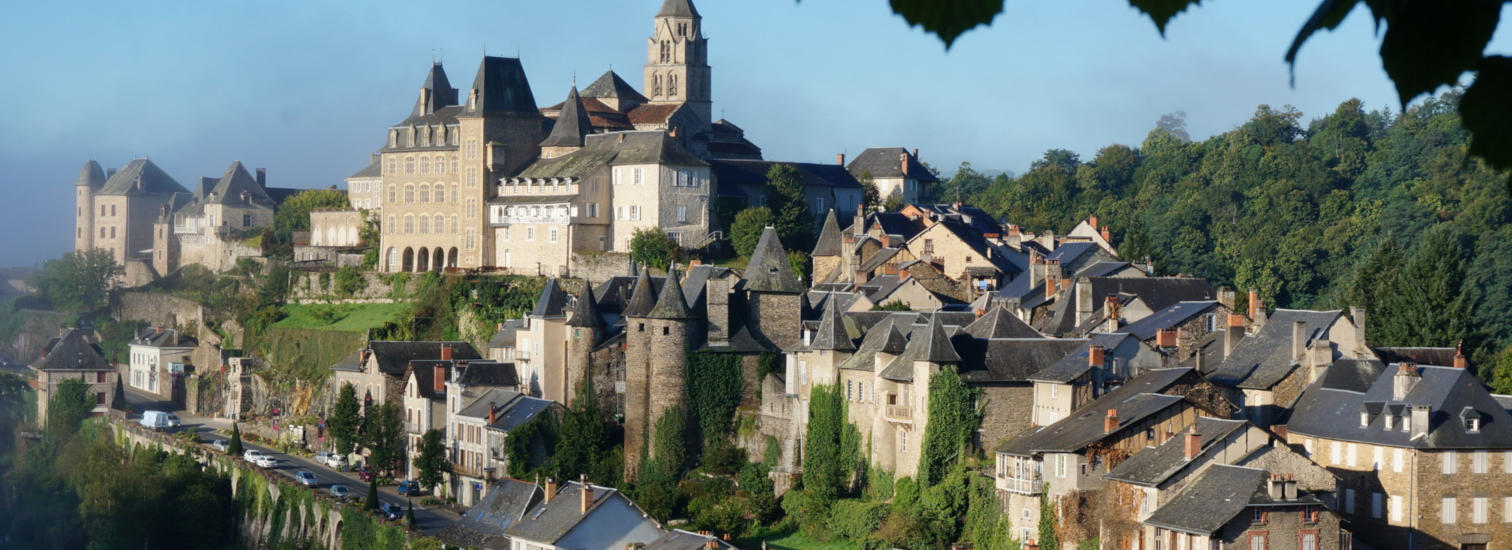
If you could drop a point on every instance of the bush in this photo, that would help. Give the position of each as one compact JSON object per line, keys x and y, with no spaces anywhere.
{"x":852,"y":519}
{"x":349,"y":281}
{"x":746,"y":230}
{"x":653,"y":247}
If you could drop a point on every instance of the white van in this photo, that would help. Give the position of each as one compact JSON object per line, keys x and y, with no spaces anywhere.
{"x":159,"y":420}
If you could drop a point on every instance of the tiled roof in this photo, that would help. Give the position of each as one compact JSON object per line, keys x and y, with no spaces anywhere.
{"x":1263,"y":359}
{"x":72,"y":351}
{"x":1217,"y":496}
{"x":1330,"y":409}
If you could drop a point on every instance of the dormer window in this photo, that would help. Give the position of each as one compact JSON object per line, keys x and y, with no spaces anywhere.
{"x":1388,"y":421}
{"x":1472,"y":424}
{"x":1406,"y":423}
{"x":1364,"y":419}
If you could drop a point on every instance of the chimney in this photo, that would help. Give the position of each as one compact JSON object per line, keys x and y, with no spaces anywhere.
{"x":262,"y":178}
{"x":1106,"y":236}
{"x":1165,"y":338}
{"x":840,"y":159}
{"x":1419,"y":417}
{"x":861,"y":276}
{"x":1226,"y":298}
{"x":1052,"y":283}
{"x":1111,"y":306}
{"x":446,"y":352}
{"x":493,"y":412}
{"x":1254,"y":302}
{"x":1191,"y":443}
{"x":1110,"y":422}
{"x":362,"y":356}
{"x":438,"y":378}
{"x":903,"y":162}
{"x":1095,"y":356}
{"x":1092,"y":221}
{"x":1233,"y":333}
{"x":550,"y":489}
{"x":979,"y":313}
{"x":916,"y":152}
{"x":1459,"y":355}
{"x":1319,"y":357}
{"x":587,"y":495}
{"x":1291,"y":487}
{"x":501,"y":325}
{"x":1406,"y":378}
{"x":1299,"y":338}
{"x":1357,"y":314}
{"x":1274,"y":487}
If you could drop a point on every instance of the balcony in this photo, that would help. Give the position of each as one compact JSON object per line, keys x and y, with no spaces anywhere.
{"x":898,"y":413}
{"x":1021,"y":485}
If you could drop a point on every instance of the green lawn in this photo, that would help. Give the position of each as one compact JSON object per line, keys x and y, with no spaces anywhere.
{"x":733,"y":262}
{"x":795,"y":540}
{"x":340,"y":317}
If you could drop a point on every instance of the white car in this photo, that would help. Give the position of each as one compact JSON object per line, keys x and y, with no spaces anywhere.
{"x":251,"y":455}
{"x":333,"y":460}
{"x":305,"y":478}
{"x":220,"y":445}
{"x":265,"y":461}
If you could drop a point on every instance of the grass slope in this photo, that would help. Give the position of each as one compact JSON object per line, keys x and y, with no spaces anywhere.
{"x":340,"y":317}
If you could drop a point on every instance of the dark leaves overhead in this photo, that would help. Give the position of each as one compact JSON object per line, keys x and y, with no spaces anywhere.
{"x":1484,"y":112}
{"x":1429,"y":43}
{"x":1328,"y":16}
{"x":1161,"y":11}
{"x":947,"y":19}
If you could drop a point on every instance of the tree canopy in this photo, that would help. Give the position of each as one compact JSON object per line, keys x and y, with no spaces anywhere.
{"x":653,"y":247}
{"x":294,"y":215}
{"x":79,"y":281}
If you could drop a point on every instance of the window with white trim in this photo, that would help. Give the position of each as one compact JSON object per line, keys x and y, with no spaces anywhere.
{"x":1396,"y":508}
{"x":529,"y":234}
{"x":1480,"y":462}
{"x":682,"y":213}
{"x":553,"y":235}
{"x":1447,"y":510}
{"x":1396,"y":459}
{"x":1480,"y":510}
{"x":1448,"y":459}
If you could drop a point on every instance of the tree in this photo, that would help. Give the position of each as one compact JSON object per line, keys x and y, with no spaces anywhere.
{"x":1048,"y":540}
{"x":432,"y":461}
{"x":409,"y":515}
{"x":802,"y":264}
{"x":294,"y":215}
{"x":371,"y":502}
{"x":79,"y":281}
{"x":346,"y":416}
{"x":894,"y":202}
{"x":870,"y":196}
{"x":118,"y":399}
{"x":790,"y":212}
{"x":653,"y":247}
{"x":385,"y":436}
{"x":952,"y":420}
{"x":235,"y":448}
{"x":69,"y":405}
{"x":745,"y":231}
{"x":1431,"y":307}
{"x":894,"y":305}
{"x":584,"y":435}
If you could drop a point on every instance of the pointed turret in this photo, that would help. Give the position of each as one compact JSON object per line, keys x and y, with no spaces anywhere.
{"x":642,"y":298}
{"x":585,"y":313}
{"x":931,"y":345}
{"x":238,"y":187}
{"x":500,"y":87}
{"x":436,"y":93}
{"x":91,"y":176}
{"x":829,"y":237}
{"x":831,"y":334}
{"x":769,"y":270}
{"x":677,"y":8}
{"x":571,"y":125}
{"x":1000,"y":323}
{"x":671,"y":304}
{"x":613,"y":91}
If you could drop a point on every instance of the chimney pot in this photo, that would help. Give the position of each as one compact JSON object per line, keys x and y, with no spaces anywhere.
{"x":1459,"y":355}
{"x":550,"y":488}
{"x":1192,"y":443}
{"x":1254,"y":302}
{"x":1110,"y":422}
{"x":1299,"y":338}
{"x":1092,"y":221}
{"x":587,"y":496}
{"x":903,"y":163}
{"x":916,"y":152}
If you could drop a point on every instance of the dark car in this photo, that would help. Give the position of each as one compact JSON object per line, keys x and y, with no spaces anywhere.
{"x":365,"y":473}
{"x":409,"y":488}
{"x":391,"y":512}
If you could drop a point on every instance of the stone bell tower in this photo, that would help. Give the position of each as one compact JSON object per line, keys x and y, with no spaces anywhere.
{"x":677,"y":60}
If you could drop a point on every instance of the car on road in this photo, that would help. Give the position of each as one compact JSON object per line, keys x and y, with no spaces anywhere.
{"x":390,"y":512}
{"x":159,"y":420}
{"x":220,"y":445}
{"x":365,"y":473}
{"x":334,"y":460}
{"x":305,"y":478}
{"x":341,"y":492}
{"x":409,"y":487}
{"x":251,"y":455}
{"x":266,"y":461}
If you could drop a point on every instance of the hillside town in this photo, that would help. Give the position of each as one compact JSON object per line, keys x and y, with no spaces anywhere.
{"x":607,"y":322}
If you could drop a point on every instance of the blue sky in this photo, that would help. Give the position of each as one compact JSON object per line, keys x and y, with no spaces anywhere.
{"x":306,"y":88}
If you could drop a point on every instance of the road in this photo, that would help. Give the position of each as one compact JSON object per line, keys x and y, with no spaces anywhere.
{"x":429,"y":519}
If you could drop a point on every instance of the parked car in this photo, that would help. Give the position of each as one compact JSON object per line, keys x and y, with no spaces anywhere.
{"x":159,"y":420}
{"x":251,"y":455}
{"x":333,"y":460}
{"x":341,"y":492}
{"x":409,"y":487}
{"x":220,"y":445}
{"x":390,"y":512}
{"x":320,"y":457}
{"x":265,"y":461}
{"x":305,"y":478}
{"x":365,"y":473}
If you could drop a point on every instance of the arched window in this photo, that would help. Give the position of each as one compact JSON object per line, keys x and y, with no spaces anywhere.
{"x":424,"y":193}
{"x":409,"y":165}
{"x":454,"y":193}
{"x":672,"y":86}
{"x":409,"y":225}
{"x":454,"y":224}
{"x":409,"y":194}
{"x":424,"y":224}
{"x":424,"y":165}
{"x":440,"y":193}
{"x":655,"y":85}
{"x":393,"y":190}
{"x":440,"y":165}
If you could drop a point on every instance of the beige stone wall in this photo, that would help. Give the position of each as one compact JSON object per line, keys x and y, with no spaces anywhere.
{"x":101,"y":386}
{"x":367,"y":193}
{"x":405,"y":194}
{"x":1006,"y":412}
{"x":341,"y":228}
{"x":939,"y":245}
{"x":648,"y":195}
{"x":123,"y":224}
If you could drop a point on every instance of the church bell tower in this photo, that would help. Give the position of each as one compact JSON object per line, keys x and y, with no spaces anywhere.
{"x":677,"y":60}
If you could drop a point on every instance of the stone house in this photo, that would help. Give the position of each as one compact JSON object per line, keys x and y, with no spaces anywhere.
{"x":826,"y":187}
{"x":476,"y":436}
{"x":1236,"y":507}
{"x":1099,"y":235}
{"x":1096,"y":365}
{"x":1424,"y":453}
{"x":364,"y":188}
{"x":1075,"y":302}
{"x":158,"y":362}
{"x":378,"y":370}
{"x":73,"y":356}
{"x":583,"y":516}
{"x":1265,"y":372}
{"x":895,"y":172}
{"x":209,"y":226}
{"x":116,"y":212}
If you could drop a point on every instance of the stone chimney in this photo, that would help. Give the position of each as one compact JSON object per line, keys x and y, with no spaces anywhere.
{"x":1166,"y":338}
{"x":262,"y":178}
{"x":1110,"y":422}
{"x":840,"y":159}
{"x":587,"y":496}
{"x":1275,"y":487}
{"x":1226,"y":298}
{"x":1095,"y":356}
{"x":1319,"y":358}
{"x":1299,"y":338}
{"x":1419,"y":417}
{"x":1052,"y":283}
{"x":1357,"y":314}
{"x":1290,"y":487}
{"x":1406,"y":378}
{"x":550,"y":489}
{"x":1459,"y":356}
{"x":903,"y":163}
{"x":1233,"y":333}
{"x":1111,"y":306}
{"x":446,"y":352}
{"x":1191,"y":443}
{"x":1084,"y":300}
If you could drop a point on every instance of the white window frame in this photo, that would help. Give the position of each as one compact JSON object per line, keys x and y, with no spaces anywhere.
{"x":1395,"y":507}
{"x":1480,"y":462}
{"x":1449,"y":460}
{"x":1447,"y":510}
{"x":552,"y":233}
{"x":1480,"y":510}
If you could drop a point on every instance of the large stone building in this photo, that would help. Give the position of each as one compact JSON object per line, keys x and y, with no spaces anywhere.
{"x":73,"y":356}
{"x":117,"y":212}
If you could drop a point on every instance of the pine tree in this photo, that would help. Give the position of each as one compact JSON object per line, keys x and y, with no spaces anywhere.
{"x":409,"y":515}
{"x":235,"y":448}
{"x":1048,"y":540}
{"x":372,"y":497}
{"x":432,"y":460}
{"x":1431,"y":305}
{"x":346,"y":416}
{"x":118,"y":401}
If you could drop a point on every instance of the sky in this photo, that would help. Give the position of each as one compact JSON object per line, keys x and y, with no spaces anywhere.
{"x":307,"y":88}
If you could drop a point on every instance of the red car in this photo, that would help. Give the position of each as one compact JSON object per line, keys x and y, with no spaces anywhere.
{"x":365,"y":473}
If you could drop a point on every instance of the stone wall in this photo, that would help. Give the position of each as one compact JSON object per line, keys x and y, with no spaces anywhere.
{"x":598,"y":267}
{"x":157,"y":309}
{"x":320,"y":286}
{"x":1007,"y":412}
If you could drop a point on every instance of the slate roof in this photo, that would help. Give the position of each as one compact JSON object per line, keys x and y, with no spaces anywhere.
{"x":883,"y":337}
{"x":1217,"y":496}
{"x":521,"y":410}
{"x":1069,"y":252}
{"x":998,"y":322}
{"x":484,"y":525}
{"x":394,"y":355}
{"x":91,"y":175}
{"x":642,"y":298}
{"x":678,"y":539}
{"x":501,"y":87}
{"x":769,"y":270}
{"x":1136,"y":399}
{"x":829,"y":243}
{"x":1152,"y":467}
{"x":882,"y":162}
{"x":733,"y":172}
{"x":1264,"y":358}
{"x":1329,"y":410}
{"x":695,"y":283}
{"x":545,"y":522}
{"x":610,"y":85}
{"x":1103,"y":269}
{"x":677,"y":8}
{"x":1354,"y":375}
{"x":648,"y":147}
{"x":571,"y":124}
{"x":1170,"y":317}
{"x":442,"y":94}
{"x":671,"y":304}
{"x":165,"y":339}
{"x":1418,"y":355}
{"x":1158,"y":292}
{"x":585,"y":310}
{"x":473,"y":373}
{"x":233,"y":184}
{"x":893,"y":223}
{"x":931,"y":345}
{"x":497,"y":397}
{"x":1076,"y":363}
{"x":505,"y":337}
{"x":831,"y":334}
{"x":552,"y":302}
{"x":140,"y":176}
{"x":72,"y":351}
{"x":425,"y":378}
{"x":372,"y":170}
{"x":1001,"y":360}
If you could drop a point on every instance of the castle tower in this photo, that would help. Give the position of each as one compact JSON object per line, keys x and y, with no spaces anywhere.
{"x":91,"y":178}
{"x":774,"y":294}
{"x":637,"y":371}
{"x":571,"y":126}
{"x":828,"y":249}
{"x":165,"y":250}
{"x":677,"y":62}
{"x":500,"y":126}
{"x":672,"y":331}
{"x":584,"y":327}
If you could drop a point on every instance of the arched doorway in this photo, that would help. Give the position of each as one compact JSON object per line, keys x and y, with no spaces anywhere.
{"x":438,"y":259}
{"x":422,"y":261}
{"x":409,"y":260}
{"x":451,"y":257}
{"x":391,"y":260}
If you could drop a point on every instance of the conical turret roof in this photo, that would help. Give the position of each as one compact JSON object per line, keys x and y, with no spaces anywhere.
{"x":769,"y":270}
{"x":1000,"y":323}
{"x":671,"y":304}
{"x":91,"y":175}
{"x":571,"y":125}
{"x":831,"y":334}
{"x":829,"y":237}
{"x":642,"y":298}
{"x":585,"y":312}
{"x":438,"y":92}
{"x":611,"y":86}
{"x":931,"y":345}
{"x":677,"y":8}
